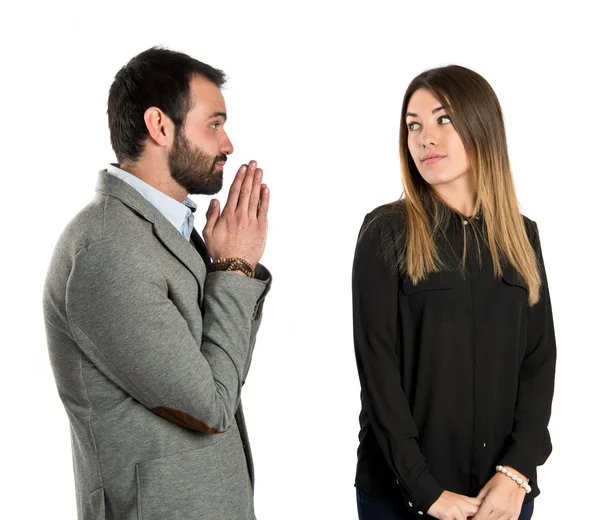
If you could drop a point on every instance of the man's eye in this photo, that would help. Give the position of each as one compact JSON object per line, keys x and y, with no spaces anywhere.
{"x":215,"y":125}
{"x":413,"y":126}
{"x":444,"y":120}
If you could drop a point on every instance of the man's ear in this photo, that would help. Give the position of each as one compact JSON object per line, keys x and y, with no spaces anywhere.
{"x":159,"y":125}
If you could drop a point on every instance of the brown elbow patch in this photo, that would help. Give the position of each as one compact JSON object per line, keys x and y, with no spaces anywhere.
{"x":184,"y":420}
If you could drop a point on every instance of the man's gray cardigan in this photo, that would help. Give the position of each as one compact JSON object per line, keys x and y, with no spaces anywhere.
{"x":150,"y":353}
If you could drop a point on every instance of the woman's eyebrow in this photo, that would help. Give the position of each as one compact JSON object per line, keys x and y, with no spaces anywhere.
{"x":411,"y":114}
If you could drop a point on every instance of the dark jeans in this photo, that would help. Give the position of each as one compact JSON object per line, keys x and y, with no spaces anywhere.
{"x":371,"y":508}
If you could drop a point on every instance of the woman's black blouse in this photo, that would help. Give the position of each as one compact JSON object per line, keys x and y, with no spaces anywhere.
{"x":456,"y":372}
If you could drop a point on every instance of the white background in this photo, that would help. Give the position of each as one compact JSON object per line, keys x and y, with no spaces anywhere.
{"x":314,"y":95}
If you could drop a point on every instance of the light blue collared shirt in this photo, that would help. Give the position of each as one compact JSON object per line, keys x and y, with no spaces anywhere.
{"x":180,"y":214}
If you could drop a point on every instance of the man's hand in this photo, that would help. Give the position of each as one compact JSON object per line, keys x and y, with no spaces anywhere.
{"x":241,"y":230}
{"x":452,"y":506}
{"x":502,"y":498}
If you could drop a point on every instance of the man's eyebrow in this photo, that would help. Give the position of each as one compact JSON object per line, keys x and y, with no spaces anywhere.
{"x":410,"y":114}
{"x":219,"y":114}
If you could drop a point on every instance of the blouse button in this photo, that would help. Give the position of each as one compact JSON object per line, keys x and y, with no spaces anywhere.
{"x":410,"y":504}
{"x":420,"y":512}
{"x":465,"y":222}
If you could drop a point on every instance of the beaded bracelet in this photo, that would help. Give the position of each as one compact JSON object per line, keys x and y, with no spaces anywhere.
{"x":233,"y":264}
{"x":513,"y":476}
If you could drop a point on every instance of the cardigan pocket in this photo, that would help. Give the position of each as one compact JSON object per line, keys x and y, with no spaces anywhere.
{"x":211,"y":483}
{"x":97,"y":504}
{"x":186,"y":485}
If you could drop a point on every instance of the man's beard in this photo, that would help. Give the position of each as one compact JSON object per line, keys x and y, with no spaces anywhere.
{"x":194,"y":170}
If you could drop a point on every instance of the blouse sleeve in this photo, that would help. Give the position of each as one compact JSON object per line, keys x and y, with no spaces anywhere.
{"x":376,"y":334}
{"x":530,"y":442}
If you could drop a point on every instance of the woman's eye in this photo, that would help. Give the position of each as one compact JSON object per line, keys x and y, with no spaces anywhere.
{"x":413,"y":126}
{"x":444,"y":120}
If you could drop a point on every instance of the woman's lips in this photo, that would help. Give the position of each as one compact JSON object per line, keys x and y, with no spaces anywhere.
{"x":431,"y":159}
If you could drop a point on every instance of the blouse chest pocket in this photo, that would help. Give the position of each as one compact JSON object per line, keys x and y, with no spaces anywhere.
{"x":511,"y":277}
{"x":438,"y":297}
{"x":513,"y":289}
{"x":440,"y":281}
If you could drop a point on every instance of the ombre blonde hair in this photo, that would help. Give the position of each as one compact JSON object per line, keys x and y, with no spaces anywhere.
{"x":477,"y":117}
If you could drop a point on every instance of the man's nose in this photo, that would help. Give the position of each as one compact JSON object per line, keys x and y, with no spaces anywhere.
{"x":226,"y":146}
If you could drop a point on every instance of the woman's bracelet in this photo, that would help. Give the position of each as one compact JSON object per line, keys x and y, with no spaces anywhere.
{"x":233,"y":264}
{"x":515,"y":477}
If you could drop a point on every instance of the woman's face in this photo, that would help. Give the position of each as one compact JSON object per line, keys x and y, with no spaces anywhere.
{"x":434,"y":144}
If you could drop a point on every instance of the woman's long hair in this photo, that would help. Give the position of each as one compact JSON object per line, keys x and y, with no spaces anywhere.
{"x":477,"y":117}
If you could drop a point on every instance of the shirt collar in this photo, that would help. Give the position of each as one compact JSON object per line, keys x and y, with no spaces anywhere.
{"x":175,"y":212}
{"x":450,"y":219}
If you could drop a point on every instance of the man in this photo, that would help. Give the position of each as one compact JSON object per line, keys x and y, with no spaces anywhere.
{"x":149,"y":341}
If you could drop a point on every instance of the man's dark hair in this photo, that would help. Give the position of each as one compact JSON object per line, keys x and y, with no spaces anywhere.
{"x":156,"y":77}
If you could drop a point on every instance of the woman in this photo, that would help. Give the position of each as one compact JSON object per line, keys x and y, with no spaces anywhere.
{"x":452,"y":321}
